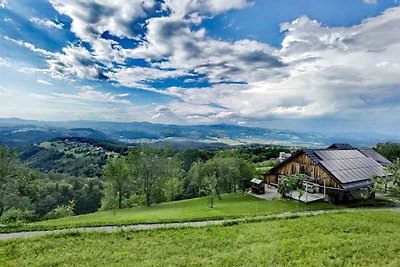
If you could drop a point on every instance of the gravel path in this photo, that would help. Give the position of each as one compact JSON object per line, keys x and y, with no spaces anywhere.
{"x":109,"y":229}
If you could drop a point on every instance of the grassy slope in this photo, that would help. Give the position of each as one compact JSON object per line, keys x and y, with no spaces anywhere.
{"x":231,"y":206}
{"x":359,"y":238}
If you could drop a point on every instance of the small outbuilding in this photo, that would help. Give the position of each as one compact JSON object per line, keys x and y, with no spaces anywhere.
{"x":257,"y":186}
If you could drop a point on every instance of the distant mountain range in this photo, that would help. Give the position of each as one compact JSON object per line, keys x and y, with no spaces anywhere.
{"x":17,"y":132}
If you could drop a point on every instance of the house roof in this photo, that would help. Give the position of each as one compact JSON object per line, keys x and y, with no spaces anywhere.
{"x":350,"y":168}
{"x":340,"y":146}
{"x":376,"y":156}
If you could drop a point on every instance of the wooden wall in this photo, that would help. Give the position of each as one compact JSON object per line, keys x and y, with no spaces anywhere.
{"x":304,"y":165}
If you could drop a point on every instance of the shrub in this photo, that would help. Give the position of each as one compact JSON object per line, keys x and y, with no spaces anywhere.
{"x":288,"y":184}
{"x":16,"y":215}
{"x":284,"y":186}
{"x":61,"y":211}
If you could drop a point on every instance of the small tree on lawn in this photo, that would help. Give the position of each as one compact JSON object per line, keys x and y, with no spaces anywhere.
{"x":210,"y":188}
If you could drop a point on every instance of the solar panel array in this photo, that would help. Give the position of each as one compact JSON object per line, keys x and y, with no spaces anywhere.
{"x":339,"y":154}
{"x":349,"y":165}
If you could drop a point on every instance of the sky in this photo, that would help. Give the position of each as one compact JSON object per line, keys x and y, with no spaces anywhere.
{"x":307,"y":65}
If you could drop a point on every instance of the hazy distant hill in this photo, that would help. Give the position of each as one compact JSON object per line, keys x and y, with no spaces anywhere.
{"x":22,"y":132}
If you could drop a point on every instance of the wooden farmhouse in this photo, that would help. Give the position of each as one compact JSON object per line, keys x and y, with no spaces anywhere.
{"x":341,"y":172}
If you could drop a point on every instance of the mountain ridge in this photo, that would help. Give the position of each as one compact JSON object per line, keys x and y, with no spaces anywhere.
{"x":16,"y":131}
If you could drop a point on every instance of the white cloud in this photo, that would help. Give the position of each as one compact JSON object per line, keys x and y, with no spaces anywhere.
{"x":91,"y":18}
{"x":3,"y":3}
{"x":47,"y":23}
{"x":44,"y":82}
{"x":30,"y":46}
{"x":88,"y":93}
{"x":172,"y":39}
{"x":4,"y":91}
{"x":3,"y":62}
{"x":75,"y":61}
{"x":138,"y":76}
{"x":183,"y":8}
{"x":370,"y":1}
{"x":85,"y":94}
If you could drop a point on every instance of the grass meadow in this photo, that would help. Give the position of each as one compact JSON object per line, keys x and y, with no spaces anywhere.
{"x":230,"y":206}
{"x":357,"y":238}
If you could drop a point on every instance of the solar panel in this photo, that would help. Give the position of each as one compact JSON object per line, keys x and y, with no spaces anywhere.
{"x":349,"y":165}
{"x":339,"y":154}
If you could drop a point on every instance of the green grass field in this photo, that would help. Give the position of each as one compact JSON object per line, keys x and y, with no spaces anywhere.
{"x":230,"y":206}
{"x":358,"y":238}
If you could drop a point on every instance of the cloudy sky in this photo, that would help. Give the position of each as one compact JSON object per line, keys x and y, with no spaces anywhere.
{"x":331,"y":65}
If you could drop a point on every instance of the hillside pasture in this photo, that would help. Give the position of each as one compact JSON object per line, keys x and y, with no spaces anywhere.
{"x":357,"y":238}
{"x":230,"y":206}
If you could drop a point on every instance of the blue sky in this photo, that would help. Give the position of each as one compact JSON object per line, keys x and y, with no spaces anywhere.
{"x":306,"y":65}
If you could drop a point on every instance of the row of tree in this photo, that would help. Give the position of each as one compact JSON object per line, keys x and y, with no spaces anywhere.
{"x":152,"y":175}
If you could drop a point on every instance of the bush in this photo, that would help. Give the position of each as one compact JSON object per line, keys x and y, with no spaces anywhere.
{"x":61,"y":211}
{"x":16,"y":215}
{"x":284,"y":187}
{"x":288,"y":184}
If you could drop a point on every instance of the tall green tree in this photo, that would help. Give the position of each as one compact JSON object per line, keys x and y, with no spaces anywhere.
{"x":152,"y":171}
{"x":8,"y":173}
{"x":117,"y":176}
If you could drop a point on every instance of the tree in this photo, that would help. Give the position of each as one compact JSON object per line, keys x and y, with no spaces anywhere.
{"x":117,"y":175}
{"x":190,"y":156}
{"x":391,"y":151}
{"x":150,"y":169}
{"x":210,"y":188}
{"x":8,"y":173}
{"x":394,"y":170}
{"x":383,"y":181}
{"x":226,"y":174}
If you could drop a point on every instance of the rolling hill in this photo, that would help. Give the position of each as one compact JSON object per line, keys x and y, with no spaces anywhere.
{"x":17,"y":132}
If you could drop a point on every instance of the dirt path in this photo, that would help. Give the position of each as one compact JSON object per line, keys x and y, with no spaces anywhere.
{"x":109,"y":229}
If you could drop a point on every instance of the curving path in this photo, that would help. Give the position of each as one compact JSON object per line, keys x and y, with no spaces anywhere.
{"x":109,"y":229}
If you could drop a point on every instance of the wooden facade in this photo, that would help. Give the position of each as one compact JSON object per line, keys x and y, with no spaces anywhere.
{"x":301,"y":164}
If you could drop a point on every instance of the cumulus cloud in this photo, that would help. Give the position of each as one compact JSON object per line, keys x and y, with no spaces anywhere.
{"x":47,"y":23}
{"x":91,"y":18}
{"x":172,"y":39}
{"x":183,"y":8}
{"x":75,"y":61}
